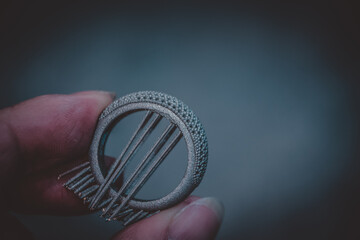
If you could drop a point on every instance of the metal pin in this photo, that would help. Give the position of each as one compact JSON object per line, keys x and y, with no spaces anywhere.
{"x":87,"y":183}
{"x":118,"y":171}
{"x":145,"y":176}
{"x":115,"y":165}
{"x":104,"y":203}
{"x":153,"y":151}
{"x":123,"y":214}
{"x":133,"y":218}
{"x":73,"y":179}
{"x":81,"y":181}
{"x":88,"y":191}
{"x":142,"y":216}
{"x":85,"y":164}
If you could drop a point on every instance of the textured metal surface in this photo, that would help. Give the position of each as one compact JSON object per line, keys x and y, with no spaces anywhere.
{"x":95,"y":186}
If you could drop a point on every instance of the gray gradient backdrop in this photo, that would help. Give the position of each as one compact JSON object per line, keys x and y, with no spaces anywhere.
{"x":272,"y":83}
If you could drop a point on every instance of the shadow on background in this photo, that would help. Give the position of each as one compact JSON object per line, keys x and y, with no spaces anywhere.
{"x":275,"y":84}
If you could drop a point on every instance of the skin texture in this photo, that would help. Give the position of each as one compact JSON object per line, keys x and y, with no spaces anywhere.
{"x":44,"y":136}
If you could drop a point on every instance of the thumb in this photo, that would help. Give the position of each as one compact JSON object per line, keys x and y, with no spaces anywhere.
{"x":48,"y":129}
{"x":54,"y":126}
{"x":193,"y":219}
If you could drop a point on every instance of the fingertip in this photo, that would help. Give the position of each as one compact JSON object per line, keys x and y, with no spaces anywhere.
{"x":213,"y":204}
{"x":56,"y":126}
{"x":194,"y":218}
{"x":103,"y":98}
{"x":99,"y":100}
{"x":199,"y":220}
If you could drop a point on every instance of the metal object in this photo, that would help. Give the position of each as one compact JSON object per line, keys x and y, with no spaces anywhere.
{"x":96,"y":186}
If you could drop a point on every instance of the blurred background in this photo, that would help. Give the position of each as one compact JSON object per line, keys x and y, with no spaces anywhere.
{"x":273,"y":82}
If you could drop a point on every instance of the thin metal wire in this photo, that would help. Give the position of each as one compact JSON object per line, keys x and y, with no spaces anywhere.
{"x":124,"y":213}
{"x":74,"y":169}
{"x":133,"y":218}
{"x":142,"y":216}
{"x":121,"y":168}
{"x":87,"y":183}
{"x":148,"y":158}
{"x":88,"y":191}
{"x":115,"y":165}
{"x":73,"y":179}
{"x":145,"y":176}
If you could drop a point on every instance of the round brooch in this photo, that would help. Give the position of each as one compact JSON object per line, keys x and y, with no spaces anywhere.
{"x":96,"y":183}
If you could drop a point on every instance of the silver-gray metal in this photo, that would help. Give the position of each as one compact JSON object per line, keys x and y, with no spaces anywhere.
{"x":96,"y":186}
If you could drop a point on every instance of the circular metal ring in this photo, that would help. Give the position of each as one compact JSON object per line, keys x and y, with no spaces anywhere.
{"x":177,"y":113}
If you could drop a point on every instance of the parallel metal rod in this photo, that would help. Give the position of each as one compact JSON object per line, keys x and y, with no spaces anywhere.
{"x":124,"y":210}
{"x":100,"y":192}
{"x":91,"y":180}
{"x":142,"y":216}
{"x":74,"y":169}
{"x":132,"y":218}
{"x":115,"y":166}
{"x":148,"y":173}
{"x":88,"y":191}
{"x":149,"y":156}
{"x":153,"y":151}
{"x":81,"y":181}
{"x":73,"y":179}
{"x":124,"y":213}
{"x":118,"y":171}
{"x":103,"y":203}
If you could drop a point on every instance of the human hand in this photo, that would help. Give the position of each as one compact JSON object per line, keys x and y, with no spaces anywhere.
{"x":41,"y":138}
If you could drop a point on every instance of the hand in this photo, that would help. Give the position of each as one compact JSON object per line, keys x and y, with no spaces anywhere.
{"x":44,"y":136}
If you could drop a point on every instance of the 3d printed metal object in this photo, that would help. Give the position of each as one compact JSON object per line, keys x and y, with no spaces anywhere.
{"x":96,"y":186}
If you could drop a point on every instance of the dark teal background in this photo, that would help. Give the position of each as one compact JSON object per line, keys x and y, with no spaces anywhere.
{"x":274,"y":83}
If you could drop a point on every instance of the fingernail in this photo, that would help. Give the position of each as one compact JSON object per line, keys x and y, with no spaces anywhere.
{"x":102,"y":98}
{"x":199,"y":220}
{"x":112,"y":95}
